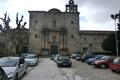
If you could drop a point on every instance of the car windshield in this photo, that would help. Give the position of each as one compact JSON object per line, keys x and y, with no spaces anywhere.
{"x":24,"y":55}
{"x":64,"y":58}
{"x":8,"y":62}
{"x":105,"y":58}
{"x":30,"y":56}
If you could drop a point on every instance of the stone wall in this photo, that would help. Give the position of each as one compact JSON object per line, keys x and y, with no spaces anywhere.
{"x":54,"y":20}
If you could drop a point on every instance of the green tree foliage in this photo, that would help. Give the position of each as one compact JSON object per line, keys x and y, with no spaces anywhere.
{"x":109,"y":44}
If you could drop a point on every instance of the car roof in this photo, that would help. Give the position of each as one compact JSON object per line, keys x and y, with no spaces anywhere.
{"x":13,"y":58}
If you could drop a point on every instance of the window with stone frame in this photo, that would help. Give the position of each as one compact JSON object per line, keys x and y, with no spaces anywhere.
{"x":54,"y":23}
{"x":85,"y":49}
{"x":85,"y":39}
{"x":72,"y":36}
{"x":36,"y":36}
{"x":36,"y":21}
{"x":72,"y":22}
{"x":90,"y":45}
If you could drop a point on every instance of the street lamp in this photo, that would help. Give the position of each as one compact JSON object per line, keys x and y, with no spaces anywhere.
{"x":115,"y":17}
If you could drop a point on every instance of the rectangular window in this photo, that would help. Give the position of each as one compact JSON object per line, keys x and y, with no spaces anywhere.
{"x":85,"y":49}
{"x":54,"y":23}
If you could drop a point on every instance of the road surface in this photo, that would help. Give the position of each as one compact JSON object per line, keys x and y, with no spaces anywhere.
{"x":48,"y":70}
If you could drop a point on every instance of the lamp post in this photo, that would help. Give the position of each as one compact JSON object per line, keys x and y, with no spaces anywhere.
{"x":115,"y":17}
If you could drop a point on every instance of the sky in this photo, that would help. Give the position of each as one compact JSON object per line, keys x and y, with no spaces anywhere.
{"x":94,"y":14}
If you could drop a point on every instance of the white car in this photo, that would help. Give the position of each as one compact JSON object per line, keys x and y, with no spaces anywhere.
{"x":14,"y":67}
{"x":3,"y":75}
{"x":31,"y":59}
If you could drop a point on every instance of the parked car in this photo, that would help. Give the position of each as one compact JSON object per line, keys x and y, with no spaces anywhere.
{"x":64,"y":61}
{"x":115,"y":65}
{"x":56,"y":57}
{"x":52,"y":56}
{"x":78,"y":57}
{"x":86,"y":56}
{"x":74,"y":55}
{"x":14,"y":67}
{"x":104,"y":62}
{"x":3,"y":75}
{"x":31,"y":59}
{"x":92,"y":60}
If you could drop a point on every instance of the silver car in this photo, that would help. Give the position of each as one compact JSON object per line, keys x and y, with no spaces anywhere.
{"x":31,"y":59}
{"x":3,"y":75}
{"x":14,"y":67}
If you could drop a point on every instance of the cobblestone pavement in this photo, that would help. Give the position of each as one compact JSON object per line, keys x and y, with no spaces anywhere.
{"x":48,"y":70}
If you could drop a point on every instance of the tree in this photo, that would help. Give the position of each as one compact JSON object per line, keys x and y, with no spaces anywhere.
{"x":108,"y":44}
{"x":112,"y":42}
{"x":12,"y":38}
{"x":18,"y":22}
{"x":6,"y":21}
{"x":19,"y":35}
{"x":4,"y":30}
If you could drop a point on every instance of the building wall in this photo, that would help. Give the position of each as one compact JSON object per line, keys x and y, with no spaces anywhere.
{"x":75,"y":39}
{"x":92,"y":40}
{"x":40,"y":19}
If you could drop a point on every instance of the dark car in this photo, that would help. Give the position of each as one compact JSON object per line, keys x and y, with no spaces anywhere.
{"x":3,"y":75}
{"x":74,"y":55}
{"x":64,"y":61}
{"x":78,"y":57}
{"x":104,"y":62}
{"x":115,"y":66}
{"x":86,"y":56}
{"x":91,"y":61}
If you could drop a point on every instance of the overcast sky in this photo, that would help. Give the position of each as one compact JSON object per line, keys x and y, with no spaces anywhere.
{"x":94,"y":14}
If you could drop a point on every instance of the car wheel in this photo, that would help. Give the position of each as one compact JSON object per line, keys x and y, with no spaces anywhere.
{"x":58,"y":65}
{"x":70,"y":65}
{"x":89,"y":63}
{"x":113,"y":70}
{"x":16,"y":77}
{"x":36,"y":64}
{"x":25,"y":71}
{"x":103,"y":66}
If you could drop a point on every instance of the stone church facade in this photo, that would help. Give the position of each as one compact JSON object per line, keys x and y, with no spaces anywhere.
{"x":53,"y":31}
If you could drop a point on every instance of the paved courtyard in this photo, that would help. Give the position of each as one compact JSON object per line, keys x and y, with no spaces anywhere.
{"x":48,"y":70}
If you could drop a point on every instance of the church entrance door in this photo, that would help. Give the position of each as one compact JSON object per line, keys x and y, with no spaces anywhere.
{"x":54,"y":49}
